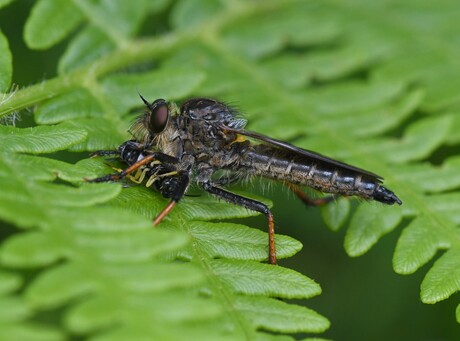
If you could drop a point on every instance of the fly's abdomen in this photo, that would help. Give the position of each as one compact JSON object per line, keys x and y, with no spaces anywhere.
{"x":281,"y":165}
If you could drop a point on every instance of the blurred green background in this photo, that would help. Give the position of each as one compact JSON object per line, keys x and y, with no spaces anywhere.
{"x":363,"y":298}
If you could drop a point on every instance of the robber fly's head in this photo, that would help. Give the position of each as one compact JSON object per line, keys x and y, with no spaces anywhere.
{"x":153,"y":122}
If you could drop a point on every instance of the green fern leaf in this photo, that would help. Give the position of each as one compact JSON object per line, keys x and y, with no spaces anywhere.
{"x":278,"y":316}
{"x":235,"y":241}
{"x":39,"y":139}
{"x":261,"y":279}
{"x":372,"y":84}
{"x":40,"y":30}
{"x":442,"y":279}
{"x":367,"y":226}
{"x":9,"y":282}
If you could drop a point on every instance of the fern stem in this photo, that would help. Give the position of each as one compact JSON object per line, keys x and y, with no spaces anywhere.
{"x":218,"y":290}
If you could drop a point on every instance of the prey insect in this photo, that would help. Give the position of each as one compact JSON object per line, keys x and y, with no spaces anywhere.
{"x":204,"y":142}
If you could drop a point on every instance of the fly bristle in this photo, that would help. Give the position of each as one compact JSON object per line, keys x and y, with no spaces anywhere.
{"x":138,"y":129}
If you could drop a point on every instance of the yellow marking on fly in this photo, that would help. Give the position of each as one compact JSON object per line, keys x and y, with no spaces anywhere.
{"x":155,"y":177}
{"x":140,"y":175}
{"x":134,"y":177}
{"x":168,"y":174}
{"x":239,"y":138}
{"x":151,"y":180}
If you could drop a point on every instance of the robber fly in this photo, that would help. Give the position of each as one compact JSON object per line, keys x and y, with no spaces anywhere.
{"x":173,"y":147}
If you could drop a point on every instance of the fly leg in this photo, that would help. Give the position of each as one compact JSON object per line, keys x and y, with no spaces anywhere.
{"x":142,"y":162}
{"x":99,"y":153}
{"x":251,"y":205}
{"x":120,"y":175}
{"x":310,"y":201}
{"x":172,"y":187}
{"x":104,"y":153}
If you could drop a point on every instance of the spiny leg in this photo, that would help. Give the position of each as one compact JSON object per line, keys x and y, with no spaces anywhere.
{"x":310,"y":201}
{"x":120,"y":175}
{"x":251,"y":205}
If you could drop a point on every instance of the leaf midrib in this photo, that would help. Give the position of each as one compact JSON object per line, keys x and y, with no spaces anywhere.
{"x":220,"y":291}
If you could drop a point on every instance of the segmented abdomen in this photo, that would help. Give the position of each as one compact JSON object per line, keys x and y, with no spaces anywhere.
{"x":287,"y":166}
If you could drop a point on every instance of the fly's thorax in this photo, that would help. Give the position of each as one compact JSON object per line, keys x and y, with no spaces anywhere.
{"x":202,"y":120}
{"x":209,"y":110}
{"x":201,"y":137}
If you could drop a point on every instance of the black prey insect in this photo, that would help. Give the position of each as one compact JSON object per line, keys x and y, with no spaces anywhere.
{"x":204,"y":142}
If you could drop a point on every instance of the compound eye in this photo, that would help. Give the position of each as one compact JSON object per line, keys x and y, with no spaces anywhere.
{"x":159,"y":115}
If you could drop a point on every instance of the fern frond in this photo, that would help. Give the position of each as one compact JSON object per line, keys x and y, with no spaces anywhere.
{"x":368,"y":83}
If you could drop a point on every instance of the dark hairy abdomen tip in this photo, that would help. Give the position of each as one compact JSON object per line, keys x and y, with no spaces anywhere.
{"x":386,"y":196}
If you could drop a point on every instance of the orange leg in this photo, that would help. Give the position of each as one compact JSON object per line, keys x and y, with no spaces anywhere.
{"x":271,"y":239}
{"x":164,"y":212}
{"x":307,"y":200}
{"x":117,"y":176}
